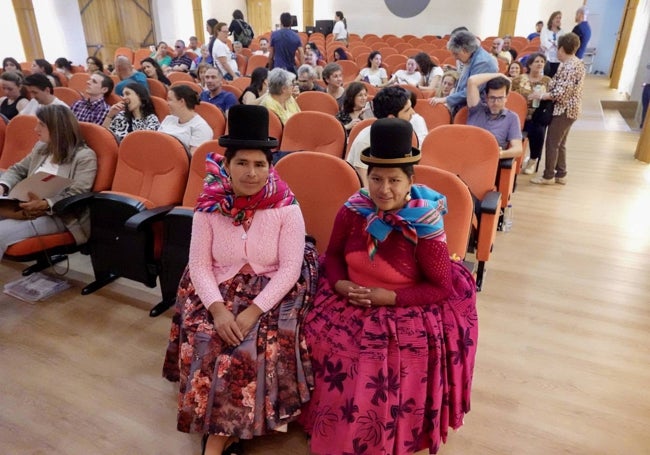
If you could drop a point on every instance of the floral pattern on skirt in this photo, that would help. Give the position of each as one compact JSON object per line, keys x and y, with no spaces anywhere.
{"x":390,"y":380}
{"x":251,"y":389}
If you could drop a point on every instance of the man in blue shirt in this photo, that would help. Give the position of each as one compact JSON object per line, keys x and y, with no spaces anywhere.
{"x":465,"y":47}
{"x":215,"y":94}
{"x":583,"y":30}
{"x":127,"y":73}
{"x":492,"y":114}
{"x":538,"y":29}
{"x":284,"y":44}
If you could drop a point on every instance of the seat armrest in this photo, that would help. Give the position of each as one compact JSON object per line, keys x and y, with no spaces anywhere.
{"x":143,"y":219}
{"x":181,"y":211}
{"x":506,"y":163}
{"x":72,"y":202}
{"x":491,"y":202}
{"x":119,"y":198}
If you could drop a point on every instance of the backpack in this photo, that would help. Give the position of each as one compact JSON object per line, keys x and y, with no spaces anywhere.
{"x":246,"y":35}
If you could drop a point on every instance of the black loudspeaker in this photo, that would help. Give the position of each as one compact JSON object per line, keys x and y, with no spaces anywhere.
{"x":324,"y":26}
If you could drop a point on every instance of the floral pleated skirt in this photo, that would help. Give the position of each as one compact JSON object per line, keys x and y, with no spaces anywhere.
{"x":256,"y":387}
{"x":390,"y":380}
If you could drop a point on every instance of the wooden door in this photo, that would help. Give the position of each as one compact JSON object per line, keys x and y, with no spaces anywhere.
{"x":109,"y":24}
{"x":259,"y":16}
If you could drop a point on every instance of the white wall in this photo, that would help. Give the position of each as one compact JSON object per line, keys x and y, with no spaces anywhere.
{"x":222,"y":10}
{"x":439,"y":18}
{"x":173,"y":19}
{"x":10,"y":44}
{"x":605,"y":18}
{"x":635,"y":71}
{"x":531,"y":12}
{"x":61,"y":29}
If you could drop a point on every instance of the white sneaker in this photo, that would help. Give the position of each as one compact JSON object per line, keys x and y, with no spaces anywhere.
{"x":561,"y":180}
{"x":542,"y":181}
{"x":530,"y":167}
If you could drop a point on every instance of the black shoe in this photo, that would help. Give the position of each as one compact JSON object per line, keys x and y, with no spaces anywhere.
{"x":204,"y":442}
{"x":161,"y":308}
{"x":236,"y":448}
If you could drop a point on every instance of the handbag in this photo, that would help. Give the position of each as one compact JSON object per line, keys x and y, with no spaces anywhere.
{"x":544,"y":113}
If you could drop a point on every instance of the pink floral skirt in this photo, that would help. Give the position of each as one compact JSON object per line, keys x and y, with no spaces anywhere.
{"x":390,"y":380}
{"x":251,"y":389}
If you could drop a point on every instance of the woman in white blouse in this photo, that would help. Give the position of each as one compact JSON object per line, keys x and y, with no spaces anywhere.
{"x":340,"y":30}
{"x":374,"y":74}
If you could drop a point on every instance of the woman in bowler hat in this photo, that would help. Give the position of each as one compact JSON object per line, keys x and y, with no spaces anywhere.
{"x":393,"y":329}
{"x":235,"y":344}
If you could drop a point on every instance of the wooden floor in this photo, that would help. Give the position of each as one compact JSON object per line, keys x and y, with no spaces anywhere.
{"x":564,"y":354}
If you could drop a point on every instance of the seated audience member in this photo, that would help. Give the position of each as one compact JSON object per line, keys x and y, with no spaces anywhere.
{"x":10,"y":64}
{"x":214,"y":92}
{"x":515,"y":69}
{"x":64,"y":66}
{"x":127,"y":74}
{"x":393,"y":329}
{"x":40,"y":89}
{"x":222,"y":56}
{"x":237,"y":47}
{"x":417,"y":121}
{"x":161,"y":55}
{"x":152,"y":70}
{"x":285,"y":43}
{"x":526,"y":84}
{"x":242,"y":298}
{"x":306,"y":76}
{"x":184,"y":123}
{"x":355,"y":101}
{"x":42,"y":66}
{"x":134,"y":113}
{"x":373,"y":73}
{"x":333,"y":78}
{"x":280,"y":97}
{"x":340,"y":54}
{"x":264,"y":47}
{"x":204,"y":57}
{"x":430,"y":72}
{"x":410,"y":75}
{"x":447,"y":84}
{"x":493,"y":115}
{"x":94,"y":108}
{"x":14,"y":99}
{"x":193,"y":44}
{"x":200,"y":74}
{"x":182,"y":62}
{"x":254,"y":93}
{"x":390,"y":102}
{"x":94,"y":64}
{"x":60,"y":150}
{"x":465,"y":48}
{"x":507,"y":47}
{"x":312,"y":58}
{"x":499,"y":53}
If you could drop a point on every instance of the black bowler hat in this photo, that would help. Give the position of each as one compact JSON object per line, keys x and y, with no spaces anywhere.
{"x":390,"y":144}
{"x":248,"y":127}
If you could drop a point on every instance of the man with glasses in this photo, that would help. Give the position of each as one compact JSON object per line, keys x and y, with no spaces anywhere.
{"x":306,"y":76}
{"x":223,"y":57}
{"x":182,"y":62}
{"x":492,"y":114}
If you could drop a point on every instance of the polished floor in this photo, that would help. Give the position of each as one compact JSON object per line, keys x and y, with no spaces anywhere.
{"x":563,"y":362}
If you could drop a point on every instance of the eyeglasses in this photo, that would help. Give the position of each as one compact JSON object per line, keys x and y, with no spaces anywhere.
{"x":494,"y":99}
{"x":303,"y":81}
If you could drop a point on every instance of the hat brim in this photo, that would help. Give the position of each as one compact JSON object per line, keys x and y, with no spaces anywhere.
{"x":366,"y":158}
{"x":226,"y":141}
